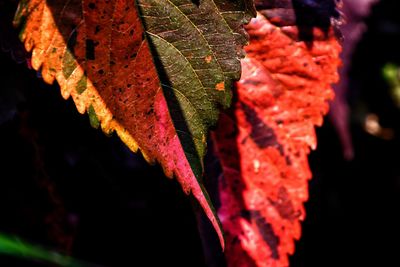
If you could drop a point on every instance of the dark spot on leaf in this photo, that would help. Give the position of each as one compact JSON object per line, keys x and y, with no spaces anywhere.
{"x":284,"y":205}
{"x":196,"y":2}
{"x":288,"y":160}
{"x":72,"y":41}
{"x":235,"y":240}
{"x":150,"y":112}
{"x":90,"y":49}
{"x":245,"y":214}
{"x":92,"y":5}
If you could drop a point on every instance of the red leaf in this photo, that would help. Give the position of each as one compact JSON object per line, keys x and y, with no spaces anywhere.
{"x":263,"y":144}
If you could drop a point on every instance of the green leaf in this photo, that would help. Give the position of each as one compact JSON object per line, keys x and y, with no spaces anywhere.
{"x":13,"y":246}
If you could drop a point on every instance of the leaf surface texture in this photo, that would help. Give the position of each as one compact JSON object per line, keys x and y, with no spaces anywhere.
{"x":154,"y":71}
{"x":264,"y":141}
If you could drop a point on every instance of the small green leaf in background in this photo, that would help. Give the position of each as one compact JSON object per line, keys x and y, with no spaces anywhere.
{"x":391,"y":73}
{"x":13,"y":246}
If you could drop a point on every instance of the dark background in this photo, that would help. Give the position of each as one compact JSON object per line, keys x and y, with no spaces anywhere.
{"x":68,"y":187}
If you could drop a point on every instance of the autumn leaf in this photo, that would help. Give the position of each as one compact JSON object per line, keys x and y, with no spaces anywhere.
{"x":155,"y":72}
{"x":264,"y":141}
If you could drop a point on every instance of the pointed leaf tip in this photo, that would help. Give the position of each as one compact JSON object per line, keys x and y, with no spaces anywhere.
{"x":152,"y":71}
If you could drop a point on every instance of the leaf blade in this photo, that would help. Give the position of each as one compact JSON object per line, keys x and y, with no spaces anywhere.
{"x":282,"y":95}
{"x":145,"y":79}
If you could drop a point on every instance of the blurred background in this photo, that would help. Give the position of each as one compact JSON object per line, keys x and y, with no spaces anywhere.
{"x":68,"y":187}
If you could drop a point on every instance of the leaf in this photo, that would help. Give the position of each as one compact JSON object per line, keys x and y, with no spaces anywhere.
{"x":13,"y":246}
{"x":153,"y":71}
{"x":391,"y":74}
{"x":264,"y":141}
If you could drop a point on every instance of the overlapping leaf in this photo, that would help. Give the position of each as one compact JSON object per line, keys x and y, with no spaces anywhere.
{"x":264,"y":142}
{"x":154,"y":71}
